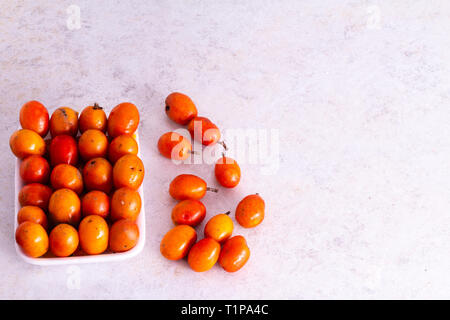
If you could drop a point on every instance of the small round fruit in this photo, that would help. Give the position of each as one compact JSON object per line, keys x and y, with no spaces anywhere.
{"x":92,"y":117}
{"x":120,"y":146}
{"x":123,"y":235}
{"x":33,"y":214}
{"x":234,"y":254}
{"x":66,"y":176}
{"x":219,"y":227}
{"x":177,"y":241}
{"x":123,"y":119}
{"x":64,"y":120}
{"x":32,"y":239}
{"x":180,"y":108}
{"x":125,"y":204}
{"x":34,"y":169}
{"x":63,"y":240}
{"x":35,"y":194}
{"x":63,"y":149}
{"x":250,"y":211}
{"x":227,"y":172}
{"x":204,"y":131}
{"x":94,"y":234}
{"x":97,"y":175}
{"x":189,"y":212}
{"x":188,"y":186}
{"x":34,"y":116}
{"x":24,"y":143}
{"x":92,"y":144}
{"x":204,"y":255}
{"x":95,"y":202}
{"x":64,"y":207}
{"x":174,"y":146}
{"x":128,"y":172}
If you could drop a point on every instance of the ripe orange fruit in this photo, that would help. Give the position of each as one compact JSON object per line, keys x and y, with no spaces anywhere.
{"x":204,"y":255}
{"x":63,"y":149}
{"x":34,"y":116}
{"x":94,"y":234}
{"x":92,"y":117}
{"x":64,"y":120}
{"x":228,"y":172}
{"x":234,"y":254}
{"x":250,"y":211}
{"x":63,"y":240}
{"x":177,"y":241}
{"x":123,"y":235}
{"x":98,"y":174}
{"x":204,"y":131}
{"x":180,"y":108}
{"x":188,"y":186}
{"x":123,"y":119}
{"x":32,"y":239}
{"x":219,"y":227}
{"x":125,"y":204}
{"x":66,"y":176}
{"x":24,"y":143}
{"x":95,"y":202}
{"x":92,"y":144}
{"x":33,"y":214}
{"x":35,"y":194}
{"x":120,"y":146}
{"x":174,"y":146}
{"x":64,"y":207}
{"x":129,"y":172}
{"x":34,"y":169}
{"x":189,"y":212}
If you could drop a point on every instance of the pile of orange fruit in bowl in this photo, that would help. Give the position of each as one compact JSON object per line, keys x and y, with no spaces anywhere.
{"x":81,"y":174}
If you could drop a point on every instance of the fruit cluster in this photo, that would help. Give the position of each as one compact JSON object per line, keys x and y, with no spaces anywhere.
{"x":80,"y":195}
{"x":232,"y":253}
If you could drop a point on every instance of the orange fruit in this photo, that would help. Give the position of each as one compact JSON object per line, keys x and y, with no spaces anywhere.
{"x":64,"y":207}
{"x":34,"y":116}
{"x":94,"y":234}
{"x":98,"y":174}
{"x":64,"y":120}
{"x":120,"y":146}
{"x":234,"y":254}
{"x":250,"y":211}
{"x":125,"y":204}
{"x":92,"y":144}
{"x":92,"y":117}
{"x":204,"y":255}
{"x":123,"y":235}
{"x":123,"y":119}
{"x":177,"y":241}
{"x":66,"y":176}
{"x":33,"y":214}
{"x":24,"y":143}
{"x":129,"y":172}
{"x":63,"y":240}
{"x":32,"y":239}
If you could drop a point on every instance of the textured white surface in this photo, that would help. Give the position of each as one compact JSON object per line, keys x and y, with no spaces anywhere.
{"x":359,"y":91}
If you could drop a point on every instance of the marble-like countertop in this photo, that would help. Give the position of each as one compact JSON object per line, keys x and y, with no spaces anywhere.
{"x":355,"y":94}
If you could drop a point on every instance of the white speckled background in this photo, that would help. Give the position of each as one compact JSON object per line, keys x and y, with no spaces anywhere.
{"x":360,"y":94}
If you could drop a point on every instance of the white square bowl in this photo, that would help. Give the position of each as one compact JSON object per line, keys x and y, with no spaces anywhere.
{"x":104,"y":257}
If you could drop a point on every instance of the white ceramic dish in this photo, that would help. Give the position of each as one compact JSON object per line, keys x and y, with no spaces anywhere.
{"x":105,"y":257}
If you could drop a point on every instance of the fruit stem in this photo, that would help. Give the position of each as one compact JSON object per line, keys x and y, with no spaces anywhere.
{"x":97,"y":107}
{"x":228,"y":212}
{"x":212,"y":189}
{"x":223,"y":144}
